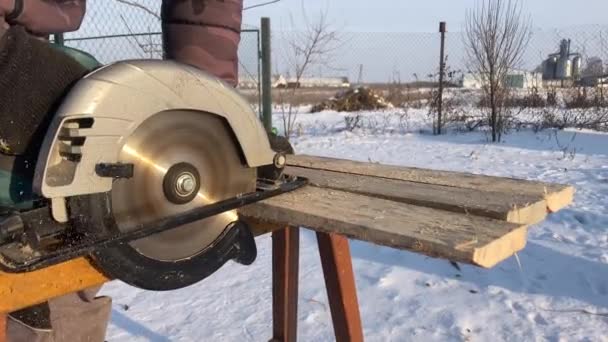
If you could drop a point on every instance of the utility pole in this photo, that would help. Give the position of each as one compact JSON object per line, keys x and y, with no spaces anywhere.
{"x":266,"y":76}
{"x":442,"y":30}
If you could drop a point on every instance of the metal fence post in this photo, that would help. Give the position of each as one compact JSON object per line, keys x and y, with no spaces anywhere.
{"x":259,"y":78}
{"x":266,"y":76}
{"x":442,"y":30}
{"x":58,"y":39}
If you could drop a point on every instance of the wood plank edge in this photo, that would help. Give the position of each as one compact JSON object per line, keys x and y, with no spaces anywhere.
{"x":558,"y":200}
{"x":501,"y":249}
{"x":465,"y":254}
{"x":532,"y":213}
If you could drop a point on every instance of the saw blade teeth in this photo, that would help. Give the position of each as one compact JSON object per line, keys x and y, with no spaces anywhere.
{"x":166,"y":139}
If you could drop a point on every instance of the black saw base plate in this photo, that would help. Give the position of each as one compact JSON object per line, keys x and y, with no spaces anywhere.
{"x":21,"y":256}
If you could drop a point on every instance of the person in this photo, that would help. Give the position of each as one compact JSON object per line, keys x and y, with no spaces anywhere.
{"x":201,"y":33}
{"x":204,"y":34}
{"x":28,"y":66}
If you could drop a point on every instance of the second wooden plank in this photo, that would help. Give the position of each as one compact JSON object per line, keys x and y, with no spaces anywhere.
{"x":557,"y":196}
{"x":524,"y":209}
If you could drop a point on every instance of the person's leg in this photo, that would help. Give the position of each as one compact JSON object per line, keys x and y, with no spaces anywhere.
{"x":73,"y":317}
{"x":30,"y":325}
{"x":80,"y":316}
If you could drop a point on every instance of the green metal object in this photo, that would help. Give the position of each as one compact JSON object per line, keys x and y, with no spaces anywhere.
{"x":266,"y":76}
{"x":84,"y":58}
{"x":11,"y":197}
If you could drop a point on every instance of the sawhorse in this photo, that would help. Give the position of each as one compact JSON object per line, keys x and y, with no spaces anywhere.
{"x":339,"y":282}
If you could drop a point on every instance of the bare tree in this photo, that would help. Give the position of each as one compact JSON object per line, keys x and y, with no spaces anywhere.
{"x":305,"y":49}
{"x":496,"y":37}
{"x":140,"y":6}
{"x":604,"y":47}
{"x":146,"y":45}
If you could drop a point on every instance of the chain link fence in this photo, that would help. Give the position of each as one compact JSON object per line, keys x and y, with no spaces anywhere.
{"x":403,"y":67}
{"x":385,"y":57}
{"x":115,"y":30}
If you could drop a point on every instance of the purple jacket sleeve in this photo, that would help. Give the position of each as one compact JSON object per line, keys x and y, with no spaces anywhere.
{"x":204,"y":34}
{"x":52,"y":16}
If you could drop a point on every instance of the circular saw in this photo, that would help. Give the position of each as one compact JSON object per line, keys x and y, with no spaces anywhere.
{"x":143,"y":169}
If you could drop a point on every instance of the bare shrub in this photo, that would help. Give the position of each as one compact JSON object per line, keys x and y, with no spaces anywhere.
{"x":312,"y":47}
{"x":552,"y":97}
{"x":568,"y":151}
{"x":580,"y":118}
{"x":585,"y":97}
{"x":352,"y":121}
{"x":496,"y":38}
{"x":451,"y":107}
{"x":532,"y":99}
{"x":403,"y":120}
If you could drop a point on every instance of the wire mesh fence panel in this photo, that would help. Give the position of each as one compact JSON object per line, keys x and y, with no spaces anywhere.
{"x":320,"y":69}
{"x":382,"y":57}
{"x":116,"y":30}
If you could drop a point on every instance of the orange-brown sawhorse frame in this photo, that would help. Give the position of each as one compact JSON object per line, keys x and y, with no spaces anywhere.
{"x":339,"y":281}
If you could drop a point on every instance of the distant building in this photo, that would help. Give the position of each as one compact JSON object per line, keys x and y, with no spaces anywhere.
{"x":471,"y":81}
{"x":247,"y":82}
{"x":250,"y":82}
{"x":314,"y":82}
{"x":279,"y":81}
{"x":563,"y":65}
{"x":595,"y":81}
{"x":515,"y":79}
{"x":521,"y":79}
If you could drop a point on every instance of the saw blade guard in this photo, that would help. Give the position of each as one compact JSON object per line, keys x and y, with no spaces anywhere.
{"x":103,"y":109}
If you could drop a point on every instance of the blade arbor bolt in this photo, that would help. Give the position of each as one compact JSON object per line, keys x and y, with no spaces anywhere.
{"x":181,"y":183}
{"x":185,"y":185}
{"x":280,"y":160}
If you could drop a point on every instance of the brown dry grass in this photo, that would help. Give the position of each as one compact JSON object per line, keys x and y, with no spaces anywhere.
{"x":398,"y":95}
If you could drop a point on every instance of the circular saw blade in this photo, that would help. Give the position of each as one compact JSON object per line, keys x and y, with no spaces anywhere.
{"x":165,"y":139}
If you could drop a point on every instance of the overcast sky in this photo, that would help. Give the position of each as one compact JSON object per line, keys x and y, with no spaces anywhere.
{"x":423,"y":15}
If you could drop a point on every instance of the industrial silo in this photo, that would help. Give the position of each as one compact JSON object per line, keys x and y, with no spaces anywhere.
{"x":564,"y":67}
{"x":550,"y":68}
{"x":577,"y":63}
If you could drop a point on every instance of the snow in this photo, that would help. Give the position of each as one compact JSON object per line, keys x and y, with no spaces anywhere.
{"x":556,"y":289}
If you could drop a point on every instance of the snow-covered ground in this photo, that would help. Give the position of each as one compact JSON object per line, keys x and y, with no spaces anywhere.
{"x":557,"y":292}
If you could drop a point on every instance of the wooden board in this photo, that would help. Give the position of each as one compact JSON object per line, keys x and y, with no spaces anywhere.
{"x":466,"y":238}
{"x":557,"y":196}
{"x":462,"y":217}
{"x":524,"y":209}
